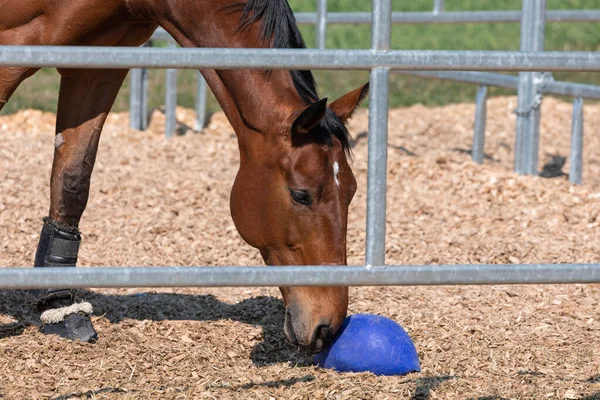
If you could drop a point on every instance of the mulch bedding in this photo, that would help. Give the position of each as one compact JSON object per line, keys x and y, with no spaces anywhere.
{"x":156,"y":201}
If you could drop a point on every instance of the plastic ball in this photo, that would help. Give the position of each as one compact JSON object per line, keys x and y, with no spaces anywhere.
{"x":370,"y":343}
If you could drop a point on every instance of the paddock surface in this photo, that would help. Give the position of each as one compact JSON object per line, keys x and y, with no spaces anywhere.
{"x":165,"y":202}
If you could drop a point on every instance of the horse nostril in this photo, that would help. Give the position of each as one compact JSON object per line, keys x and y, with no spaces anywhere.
{"x":322,"y":338}
{"x":325,"y":333}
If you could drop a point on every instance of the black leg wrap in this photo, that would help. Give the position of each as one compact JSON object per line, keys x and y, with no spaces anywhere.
{"x":59,"y":247}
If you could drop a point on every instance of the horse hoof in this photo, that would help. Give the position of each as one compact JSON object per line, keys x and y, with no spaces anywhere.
{"x":73,"y":327}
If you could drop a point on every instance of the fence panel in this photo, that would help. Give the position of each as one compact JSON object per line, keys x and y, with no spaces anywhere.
{"x":380,"y":60}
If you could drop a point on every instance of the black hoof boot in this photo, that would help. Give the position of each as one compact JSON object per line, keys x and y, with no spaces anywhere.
{"x":73,"y":327}
{"x":60,"y":314}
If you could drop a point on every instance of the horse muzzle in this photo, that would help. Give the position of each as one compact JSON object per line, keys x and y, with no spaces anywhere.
{"x":313,"y":340}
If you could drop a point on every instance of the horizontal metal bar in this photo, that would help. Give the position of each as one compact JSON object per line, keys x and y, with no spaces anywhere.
{"x":400,"y":275}
{"x":229,"y":58}
{"x":572,"y":15}
{"x":446,"y":17}
{"x":511,"y":82}
{"x":449,"y":17}
{"x":571,"y":89}
{"x":478,"y":78}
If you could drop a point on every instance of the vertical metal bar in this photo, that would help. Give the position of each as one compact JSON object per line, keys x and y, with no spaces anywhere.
{"x":381,"y":25}
{"x":533,"y":22}
{"x":532,"y":140}
{"x":438,"y":6}
{"x":144,"y":105}
{"x":201,"y":104}
{"x":576,"y":160}
{"x":522,"y":89}
{"x":171,"y":99}
{"x":144,"y":93}
{"x":321,"y":24}
{"x":477,"y":152}
{"x":135,"y":92}
{"x":378,"y":134}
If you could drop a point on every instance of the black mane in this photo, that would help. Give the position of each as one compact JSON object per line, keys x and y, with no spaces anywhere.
{"x":280,"y":31}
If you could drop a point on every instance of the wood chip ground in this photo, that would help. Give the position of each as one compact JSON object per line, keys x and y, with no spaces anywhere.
{"x":165,"y":202}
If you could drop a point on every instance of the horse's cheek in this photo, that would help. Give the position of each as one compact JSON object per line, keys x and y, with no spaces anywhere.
{"x":248,"y":208}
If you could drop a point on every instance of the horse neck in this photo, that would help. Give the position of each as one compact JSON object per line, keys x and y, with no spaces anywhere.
{"x":252,"y":100}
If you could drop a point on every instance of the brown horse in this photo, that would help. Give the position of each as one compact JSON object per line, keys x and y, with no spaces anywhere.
{"x":291,"y":195}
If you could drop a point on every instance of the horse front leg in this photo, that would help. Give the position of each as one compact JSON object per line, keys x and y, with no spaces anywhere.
{"x":85,"y":99}
{"x":10,"y":79}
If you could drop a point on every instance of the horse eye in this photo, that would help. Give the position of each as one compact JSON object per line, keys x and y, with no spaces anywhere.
{"x":301,"y":197}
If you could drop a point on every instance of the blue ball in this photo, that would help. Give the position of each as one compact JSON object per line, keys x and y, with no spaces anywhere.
{"x":370,"y":343}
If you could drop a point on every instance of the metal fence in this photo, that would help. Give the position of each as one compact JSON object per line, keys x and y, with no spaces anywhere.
{"x":380,"y":60}
{"x":530,"y":86}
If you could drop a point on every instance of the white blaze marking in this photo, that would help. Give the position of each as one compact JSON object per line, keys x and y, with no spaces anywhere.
{"x":336,"y":172}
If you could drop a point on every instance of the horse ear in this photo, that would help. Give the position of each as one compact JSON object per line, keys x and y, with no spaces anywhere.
{"x":309,"y":117}
{"x":345,"y":105}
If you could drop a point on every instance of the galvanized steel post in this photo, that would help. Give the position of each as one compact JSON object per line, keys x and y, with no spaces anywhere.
{"x":321,"y":24}
{"x":200,"y":103}
{"x":478,"y":151}
{"x":135,"y":98}
{"x":438,"y":6}
{"x":533,"y":22}
{"x":171,"y":99}
{"x":144,"y":96}
{"x":378,"y":136}
{"x":576,"y":160}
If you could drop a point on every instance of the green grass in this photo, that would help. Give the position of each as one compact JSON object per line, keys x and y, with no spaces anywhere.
{"x":41,"y":90}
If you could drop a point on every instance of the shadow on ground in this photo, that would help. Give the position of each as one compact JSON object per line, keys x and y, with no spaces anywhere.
{"x":426,"y":385}
{"x":553,"y":167}
{"x":265,"y":311}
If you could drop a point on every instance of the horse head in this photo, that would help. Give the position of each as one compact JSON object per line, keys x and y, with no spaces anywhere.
{"x":290,"y":200}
